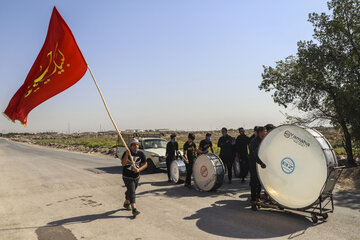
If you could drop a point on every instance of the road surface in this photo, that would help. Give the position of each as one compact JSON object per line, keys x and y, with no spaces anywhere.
{"x":59,"y":195}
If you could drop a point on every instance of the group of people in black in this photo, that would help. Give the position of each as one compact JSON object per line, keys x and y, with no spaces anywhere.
{"x":189,"y":153}
{"x":243,"y":149}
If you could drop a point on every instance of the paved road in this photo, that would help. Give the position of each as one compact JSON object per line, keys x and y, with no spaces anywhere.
{"x":59,"y":195}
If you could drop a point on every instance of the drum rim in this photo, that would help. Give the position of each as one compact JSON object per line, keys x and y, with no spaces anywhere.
{"x":218,"y":157}
{"x":323,"y":187}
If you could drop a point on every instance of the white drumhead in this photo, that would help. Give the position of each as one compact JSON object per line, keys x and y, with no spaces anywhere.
{"x":174,"y":174}
{"x":296,"y":166}
{"x":204,"y":173}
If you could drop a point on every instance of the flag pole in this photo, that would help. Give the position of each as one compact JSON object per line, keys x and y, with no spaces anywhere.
{"x":111,"y":118}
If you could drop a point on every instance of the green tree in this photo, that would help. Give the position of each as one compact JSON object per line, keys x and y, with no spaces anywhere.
{"x":323,"y":78}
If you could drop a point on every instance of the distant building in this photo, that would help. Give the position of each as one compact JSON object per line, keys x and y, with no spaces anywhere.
{"x":134,"y":130}
{"x":162,"y":130}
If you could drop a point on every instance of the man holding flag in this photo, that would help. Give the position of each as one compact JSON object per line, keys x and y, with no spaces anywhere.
{"x":131,"y":174}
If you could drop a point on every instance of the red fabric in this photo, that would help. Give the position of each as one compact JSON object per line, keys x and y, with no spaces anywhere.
{"x":59,"y":65}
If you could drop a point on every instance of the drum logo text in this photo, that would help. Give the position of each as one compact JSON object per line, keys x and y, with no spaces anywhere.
{"x":203,"y":171}
{"x":287,"y":165}
{"x":296,"y":139}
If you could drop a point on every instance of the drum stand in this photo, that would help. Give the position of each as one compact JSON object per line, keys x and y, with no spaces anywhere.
{"x":323,"y":205}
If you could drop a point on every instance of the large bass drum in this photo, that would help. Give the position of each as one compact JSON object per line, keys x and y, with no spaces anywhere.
{"x":209,"y":172}
{"x":299,"y":161}
{"x":178,"y":171}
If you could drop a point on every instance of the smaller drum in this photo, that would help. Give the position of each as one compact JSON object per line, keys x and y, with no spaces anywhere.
{"x":209,"y":172}
{"x":236,"y":168}
{"x":177,"y":171}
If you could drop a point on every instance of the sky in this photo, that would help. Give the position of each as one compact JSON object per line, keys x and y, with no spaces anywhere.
{"x":182,"y":65}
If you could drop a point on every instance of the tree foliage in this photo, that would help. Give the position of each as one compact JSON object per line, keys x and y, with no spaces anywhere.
{"x":323,"y":78}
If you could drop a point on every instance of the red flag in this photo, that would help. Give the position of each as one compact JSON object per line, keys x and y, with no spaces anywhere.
{"x":59,"y":65}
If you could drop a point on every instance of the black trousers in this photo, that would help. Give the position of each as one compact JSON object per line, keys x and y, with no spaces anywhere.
{"x":244,"y":169}
{"x":189,"y":169}
{"x":255,"y":185}
{"x":228,"y":162}
{"x":131,"y":185}
{"x":168,"y":163}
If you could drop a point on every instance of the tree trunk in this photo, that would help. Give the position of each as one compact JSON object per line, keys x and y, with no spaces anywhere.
{"x":348,"y":144}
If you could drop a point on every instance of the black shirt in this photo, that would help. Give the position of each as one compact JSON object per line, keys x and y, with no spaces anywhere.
{"x":190,"y":148}
{"x":171,"y":148}
{"x":204,"y":145}
{"x":252,"y":137}
{"x":128,"y":169}
{"x":242,"y":143}
{"x":226,"y":147}
{"x":254,"y":151}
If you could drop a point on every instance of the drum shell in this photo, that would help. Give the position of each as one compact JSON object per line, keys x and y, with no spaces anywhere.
{"x":324,"y":160}
{"x":215,"y":178}
{"x":180,"y":168}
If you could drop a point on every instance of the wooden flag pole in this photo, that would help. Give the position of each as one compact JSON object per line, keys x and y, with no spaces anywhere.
{"x":111,"y":118}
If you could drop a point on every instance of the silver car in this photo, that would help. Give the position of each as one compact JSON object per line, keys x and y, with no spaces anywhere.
{"x":154,"y":150}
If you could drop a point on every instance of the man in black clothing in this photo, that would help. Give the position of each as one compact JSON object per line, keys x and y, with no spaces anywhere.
{"x":205,"y":144}
{"x":226,"y":145}
{"x":131,"y":173}
{"x":171,"y":148}
{"x":189,"y":157}
{"x":242,"y":143}
{"x":254,"y":134}
{"x":253,"y":160}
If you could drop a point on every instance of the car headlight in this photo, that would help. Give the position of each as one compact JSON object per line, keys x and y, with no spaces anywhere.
{"x":154,"y":155}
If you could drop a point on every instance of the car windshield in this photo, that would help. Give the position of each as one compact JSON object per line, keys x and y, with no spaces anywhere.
{"x":155,"y":143}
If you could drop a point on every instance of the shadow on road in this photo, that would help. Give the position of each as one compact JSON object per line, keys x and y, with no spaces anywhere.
{"x":55,"y":229}
{"x":52,"y":226}
{"x":233,"y":218}
{"x":87,"y":218}
{"x":178,"y":190}
{"x":349,"y":199}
